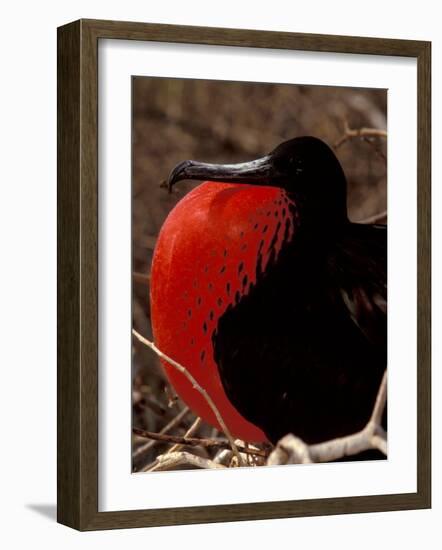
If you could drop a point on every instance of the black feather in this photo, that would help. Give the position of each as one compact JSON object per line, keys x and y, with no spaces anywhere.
{"x":304,"y":352}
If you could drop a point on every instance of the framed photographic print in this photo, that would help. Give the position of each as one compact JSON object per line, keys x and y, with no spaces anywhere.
{"x":224,"y":271}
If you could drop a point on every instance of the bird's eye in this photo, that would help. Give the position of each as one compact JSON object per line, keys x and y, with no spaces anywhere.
{"x":289,"y":164}
{"x":296,"y":164}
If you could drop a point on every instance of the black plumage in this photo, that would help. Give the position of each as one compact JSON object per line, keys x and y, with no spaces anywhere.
{"x":305,"y":349}
{"x":304,"y":352}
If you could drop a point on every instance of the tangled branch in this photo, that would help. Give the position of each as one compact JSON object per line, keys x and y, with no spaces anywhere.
{"x":194,"y":441}
{"x":197,"y":387}
{"x":171,"y":461}
{"x":289,"y":450}
{"x":364,"y":133}
{"x":190,"y":432}
{"x":141,"y":452}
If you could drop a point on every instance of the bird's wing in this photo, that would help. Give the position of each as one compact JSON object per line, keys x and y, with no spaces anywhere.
{"x":358,"y":268}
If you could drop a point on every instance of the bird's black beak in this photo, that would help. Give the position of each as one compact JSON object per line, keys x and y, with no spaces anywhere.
{"x":259,"y":172}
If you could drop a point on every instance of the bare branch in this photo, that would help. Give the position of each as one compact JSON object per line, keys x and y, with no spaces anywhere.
{"x":381,"y":400}
{"x":190,"y":432}
{"x":194,"y":441}
{"x":141,"y":401}
{"x":224,"y":457}
{"x":366,"y":135}
{"x":196,"y":386}
{"x":350,"y":133}
{"x":170,"y":461}
{"x":379,"y":442}
{"x":292,"y":450}
{"x":289,"y":450}
{"x":351,"y":445}
{"x":141,"y":278}
{"x":141,"y":451}
{"x":377,"y":150}
{"x":380,"y":217}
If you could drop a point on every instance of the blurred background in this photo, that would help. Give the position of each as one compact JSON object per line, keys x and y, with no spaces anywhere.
{"x":216,"y":121}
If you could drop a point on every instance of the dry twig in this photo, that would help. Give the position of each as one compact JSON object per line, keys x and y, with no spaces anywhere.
{"x":190,"y":432}
{"x":170,"y":461}
{"x":140,"y":278}
{"x":141,"y":401}
{"x":194,"y":441}
{"x":289,"y":450}
{"x":377,"y":150}
{"x":364,"y":133}
{"x":196,"y":386}
{"x":224,"y":457}
{"x":380,"y":217}
{"x":143,"y":449}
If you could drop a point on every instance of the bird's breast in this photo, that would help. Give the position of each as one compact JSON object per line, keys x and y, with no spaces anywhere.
{"x":211,"y":251}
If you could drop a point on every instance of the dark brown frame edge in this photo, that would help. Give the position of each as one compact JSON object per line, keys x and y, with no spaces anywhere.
{"x":77,"y":224}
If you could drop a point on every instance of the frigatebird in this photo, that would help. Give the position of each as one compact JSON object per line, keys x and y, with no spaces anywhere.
{"x":274,"y":301}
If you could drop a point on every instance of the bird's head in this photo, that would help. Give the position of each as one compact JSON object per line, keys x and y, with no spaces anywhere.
{"x":305,"y":167}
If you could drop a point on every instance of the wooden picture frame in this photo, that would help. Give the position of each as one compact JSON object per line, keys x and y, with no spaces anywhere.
{"x":78,"y":274}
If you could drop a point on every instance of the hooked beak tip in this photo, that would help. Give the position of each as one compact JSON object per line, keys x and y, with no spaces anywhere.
{"x":178,"y":173}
